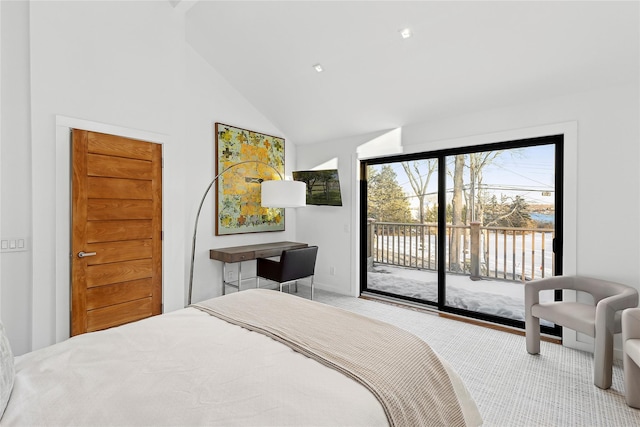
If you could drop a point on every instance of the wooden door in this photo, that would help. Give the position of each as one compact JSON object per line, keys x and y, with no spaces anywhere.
{"x":116,"y":260}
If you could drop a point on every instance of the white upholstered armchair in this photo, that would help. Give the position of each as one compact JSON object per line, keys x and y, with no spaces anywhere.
{"x":600,"y":321}
{"x":631,"y":357}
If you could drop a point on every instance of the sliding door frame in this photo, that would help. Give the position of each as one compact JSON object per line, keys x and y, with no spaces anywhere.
{"x":556,"y":139}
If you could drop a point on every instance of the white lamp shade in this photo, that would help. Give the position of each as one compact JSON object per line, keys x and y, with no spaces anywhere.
{"x":283,"y":194}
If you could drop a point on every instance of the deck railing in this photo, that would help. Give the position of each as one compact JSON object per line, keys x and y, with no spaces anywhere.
{"x":492,"y":252}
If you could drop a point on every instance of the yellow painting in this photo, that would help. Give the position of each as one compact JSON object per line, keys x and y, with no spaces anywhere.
{"x":238,"y":208}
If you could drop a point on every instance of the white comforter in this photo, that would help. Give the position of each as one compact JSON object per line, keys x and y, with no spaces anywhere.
{"x":187,"y":368}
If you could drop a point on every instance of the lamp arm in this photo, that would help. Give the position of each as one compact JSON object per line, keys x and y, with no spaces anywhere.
{"x":204,"y":196}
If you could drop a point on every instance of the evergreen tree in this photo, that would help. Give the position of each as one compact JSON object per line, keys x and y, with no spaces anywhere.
{"x":509,"y":213}
{"x":387,"y":201}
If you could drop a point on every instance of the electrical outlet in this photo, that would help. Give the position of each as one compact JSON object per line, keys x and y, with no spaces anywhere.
{"x":332,"y":270}
{"x":229,"y":275}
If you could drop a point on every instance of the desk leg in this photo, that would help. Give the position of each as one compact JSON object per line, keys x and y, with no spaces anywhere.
{"x":224,"y":277}
{"x":239,"y":275}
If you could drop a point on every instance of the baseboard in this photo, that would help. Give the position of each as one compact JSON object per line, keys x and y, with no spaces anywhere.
{"x":330,"y":288}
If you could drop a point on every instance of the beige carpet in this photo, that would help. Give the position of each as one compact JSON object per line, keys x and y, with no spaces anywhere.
{"x":511,"y":387}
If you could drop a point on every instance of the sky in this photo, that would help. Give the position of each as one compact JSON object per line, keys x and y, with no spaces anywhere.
{"x":527,"y":172}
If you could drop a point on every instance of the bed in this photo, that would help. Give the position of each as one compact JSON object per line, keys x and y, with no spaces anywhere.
{"x":251,"y":358}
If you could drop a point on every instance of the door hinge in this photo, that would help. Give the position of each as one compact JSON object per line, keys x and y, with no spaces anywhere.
{"x":162,"y":162}
{"x":162,"y":235}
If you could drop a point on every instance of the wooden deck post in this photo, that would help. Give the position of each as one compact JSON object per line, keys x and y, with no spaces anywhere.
{"x":475,"y":251}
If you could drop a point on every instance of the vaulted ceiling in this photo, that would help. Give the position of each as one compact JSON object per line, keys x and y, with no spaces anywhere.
{"x":462,"y":57}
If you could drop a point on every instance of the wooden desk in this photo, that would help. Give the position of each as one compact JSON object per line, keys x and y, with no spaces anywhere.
{"x":247,"y":253}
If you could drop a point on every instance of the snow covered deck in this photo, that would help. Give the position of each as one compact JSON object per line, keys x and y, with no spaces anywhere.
{"x":498,"y":297}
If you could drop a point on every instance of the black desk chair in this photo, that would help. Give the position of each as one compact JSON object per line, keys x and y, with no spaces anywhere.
{"x":294,"y":264}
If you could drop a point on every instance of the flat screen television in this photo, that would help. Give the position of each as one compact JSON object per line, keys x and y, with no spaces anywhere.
{"x":323,"y":186}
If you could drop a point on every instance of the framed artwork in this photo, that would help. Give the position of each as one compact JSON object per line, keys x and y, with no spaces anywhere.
{"x":238,"y":208}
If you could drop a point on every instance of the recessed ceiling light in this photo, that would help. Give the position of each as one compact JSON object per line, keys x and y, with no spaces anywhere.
{"x":318,"y":68}
{"x":406,"y":33}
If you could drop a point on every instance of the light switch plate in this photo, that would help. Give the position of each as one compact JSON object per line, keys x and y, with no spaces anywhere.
{"x":13,"y":244}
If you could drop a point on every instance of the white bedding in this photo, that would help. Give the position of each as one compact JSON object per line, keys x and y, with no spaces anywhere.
{"x":188,"y":368}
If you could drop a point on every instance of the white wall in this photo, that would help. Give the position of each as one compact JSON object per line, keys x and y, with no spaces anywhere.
{"x":1,"y":74}
{"x":331,"y":228}
{"x":120,"y":66}
{"x":15,"y":171}
{"x":608,"y":180}
{"x":212,"y":100}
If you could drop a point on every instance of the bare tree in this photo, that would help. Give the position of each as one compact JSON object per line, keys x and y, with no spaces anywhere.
{"x":477,"y":161}
{"x":419,"y":174}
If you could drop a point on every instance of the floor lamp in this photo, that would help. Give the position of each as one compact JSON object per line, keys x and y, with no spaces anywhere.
{"x":274,"y":194}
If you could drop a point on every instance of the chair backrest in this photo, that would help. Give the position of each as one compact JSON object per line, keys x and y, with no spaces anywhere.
{"x":599,"y":288}
{"x":298,"y":263}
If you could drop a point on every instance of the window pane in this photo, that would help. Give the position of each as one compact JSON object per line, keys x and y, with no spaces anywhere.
{"x":500,"y":227}
{"x":402,"y":215}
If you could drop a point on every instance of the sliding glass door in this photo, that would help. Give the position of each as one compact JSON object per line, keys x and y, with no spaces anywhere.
{"x":402,"y":229}
{"x":464,"y":229}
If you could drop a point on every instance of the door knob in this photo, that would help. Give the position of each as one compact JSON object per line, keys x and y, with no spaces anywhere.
{"x":85,"y":254}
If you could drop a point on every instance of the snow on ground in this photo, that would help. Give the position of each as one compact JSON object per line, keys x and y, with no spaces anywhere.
{"x":500,"y":298}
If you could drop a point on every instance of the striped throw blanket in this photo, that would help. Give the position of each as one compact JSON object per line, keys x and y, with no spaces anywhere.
{"x":400,"y":369}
